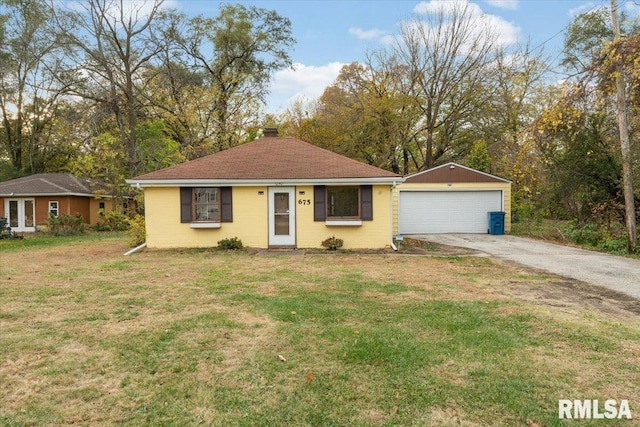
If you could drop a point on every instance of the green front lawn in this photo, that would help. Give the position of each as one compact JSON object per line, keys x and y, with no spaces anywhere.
{"x":189,"y":337}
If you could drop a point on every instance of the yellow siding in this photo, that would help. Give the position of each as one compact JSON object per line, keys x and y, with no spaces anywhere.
{"x":505,"y":187}
{"x":164,"y":229}
{"x":250,"y":221}
{"x":371,"y":234}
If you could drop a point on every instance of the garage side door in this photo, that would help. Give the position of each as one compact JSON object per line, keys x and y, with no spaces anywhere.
{"x":446,"y":211}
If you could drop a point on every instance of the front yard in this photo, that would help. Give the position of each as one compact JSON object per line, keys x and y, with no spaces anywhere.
{"x":89,"y":337}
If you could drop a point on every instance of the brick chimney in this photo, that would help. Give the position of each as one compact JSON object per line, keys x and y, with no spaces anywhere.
{"x":270,"y":132}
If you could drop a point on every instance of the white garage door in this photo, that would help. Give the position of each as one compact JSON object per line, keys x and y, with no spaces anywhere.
{"x":446,"y":211}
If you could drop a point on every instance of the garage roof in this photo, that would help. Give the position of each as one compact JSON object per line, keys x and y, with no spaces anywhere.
{"x":452,"y":173}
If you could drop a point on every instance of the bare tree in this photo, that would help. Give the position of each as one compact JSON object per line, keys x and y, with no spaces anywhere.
{"x":447,"y":51}
{"x":112,"y":43}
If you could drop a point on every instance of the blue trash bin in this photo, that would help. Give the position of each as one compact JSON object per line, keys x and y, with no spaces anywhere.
{"x":496,"y":222}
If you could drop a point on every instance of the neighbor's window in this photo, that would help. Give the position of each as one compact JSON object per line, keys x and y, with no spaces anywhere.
{"x":53,"y":208}
{"x":343,"y":202}
{"x":101,"y":209}
{"x":206,"y":204}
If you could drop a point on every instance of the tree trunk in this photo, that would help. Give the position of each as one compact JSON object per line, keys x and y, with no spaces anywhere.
{"x":623,"y":127}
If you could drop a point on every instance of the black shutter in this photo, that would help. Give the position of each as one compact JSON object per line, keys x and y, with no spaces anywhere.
{"x":226,"y":214}
{"x":319,"y":209}
{"x":186,"y":195}
{"x":366,"y":203}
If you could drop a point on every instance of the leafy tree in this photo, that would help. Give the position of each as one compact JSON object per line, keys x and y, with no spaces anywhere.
{"x":179,"y":98}
{"x":30,"y":55}
{"x":236,"y":54}
{"x":584,"y":40}
{"x":583,"y":166}
{"x":518,"y":93}
{"x":478,"y":157}
{"x":366,"y":114}
{"x":102,"y":159}
{"x":602,"y":84}
{"x":154,"y":149}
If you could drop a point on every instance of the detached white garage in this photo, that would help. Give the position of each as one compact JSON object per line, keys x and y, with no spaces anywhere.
{"x":451,"y":199}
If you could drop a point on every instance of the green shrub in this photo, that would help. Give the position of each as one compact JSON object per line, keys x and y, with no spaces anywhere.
{"x":113,"y":221}
{"x":231,"y":243}
{"x":5,"y":230}
{"x":66,"y":225}
{"x":607,"y":236}
{"x":332,"y":243}
{"x":136,"y":233}
{"x":618,"y":246}
{"x":585,"y":234}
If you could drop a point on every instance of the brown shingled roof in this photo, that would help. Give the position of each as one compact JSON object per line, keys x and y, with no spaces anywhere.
{"x":51,"y":184}
{"x":450,"y":173}
{"x":270,"y":158}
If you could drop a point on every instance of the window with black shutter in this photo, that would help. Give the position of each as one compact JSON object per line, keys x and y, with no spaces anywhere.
{"x":343,"y":203}
{"x":206,"y":204}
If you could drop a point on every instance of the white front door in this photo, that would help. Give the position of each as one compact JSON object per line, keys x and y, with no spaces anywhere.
{"x":282,"y":216}
{"x":20,"y":214}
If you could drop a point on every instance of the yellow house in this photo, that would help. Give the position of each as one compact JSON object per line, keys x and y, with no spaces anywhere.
{"x":451,"y":198}
{"x":273,"y":192}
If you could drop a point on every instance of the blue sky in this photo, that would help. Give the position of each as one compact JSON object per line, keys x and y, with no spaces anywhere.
{"x":331,"y":33}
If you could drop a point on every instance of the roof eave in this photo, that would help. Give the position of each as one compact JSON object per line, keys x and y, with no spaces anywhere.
{"x":144,"y":183}
{"x":54,"y":195}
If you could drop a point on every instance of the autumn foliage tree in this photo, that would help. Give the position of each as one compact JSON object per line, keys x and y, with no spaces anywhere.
{"x":235,"y":55}
{"x":578,"y":135}
{"x":367,"y":114}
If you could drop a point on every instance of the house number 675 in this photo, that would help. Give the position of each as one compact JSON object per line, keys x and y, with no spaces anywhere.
{"x":304,"y":201}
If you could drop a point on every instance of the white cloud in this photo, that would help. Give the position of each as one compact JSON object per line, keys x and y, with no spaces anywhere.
{"x":506,"y":33}
{"x":447,"y":7}
{"x":373,"y":33}
{"x":301,"y":81}
{"x":583,"y":8}
{"x":137,"y":9}
{"x":505,"y":4}
{"x":630,"y":8}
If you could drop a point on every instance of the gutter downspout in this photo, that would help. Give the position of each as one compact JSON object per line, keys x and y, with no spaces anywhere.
{"x":136,"y":249}
{"x":393,"y":187}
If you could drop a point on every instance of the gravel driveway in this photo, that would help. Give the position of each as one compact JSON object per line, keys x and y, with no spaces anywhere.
{"x":610,"y":271}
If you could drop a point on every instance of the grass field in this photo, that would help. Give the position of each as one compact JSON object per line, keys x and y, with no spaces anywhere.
{"x":189,"y":337}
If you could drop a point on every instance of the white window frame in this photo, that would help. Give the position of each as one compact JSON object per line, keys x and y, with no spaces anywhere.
{"x":216,"y":203}
{"x":56,"y":209}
